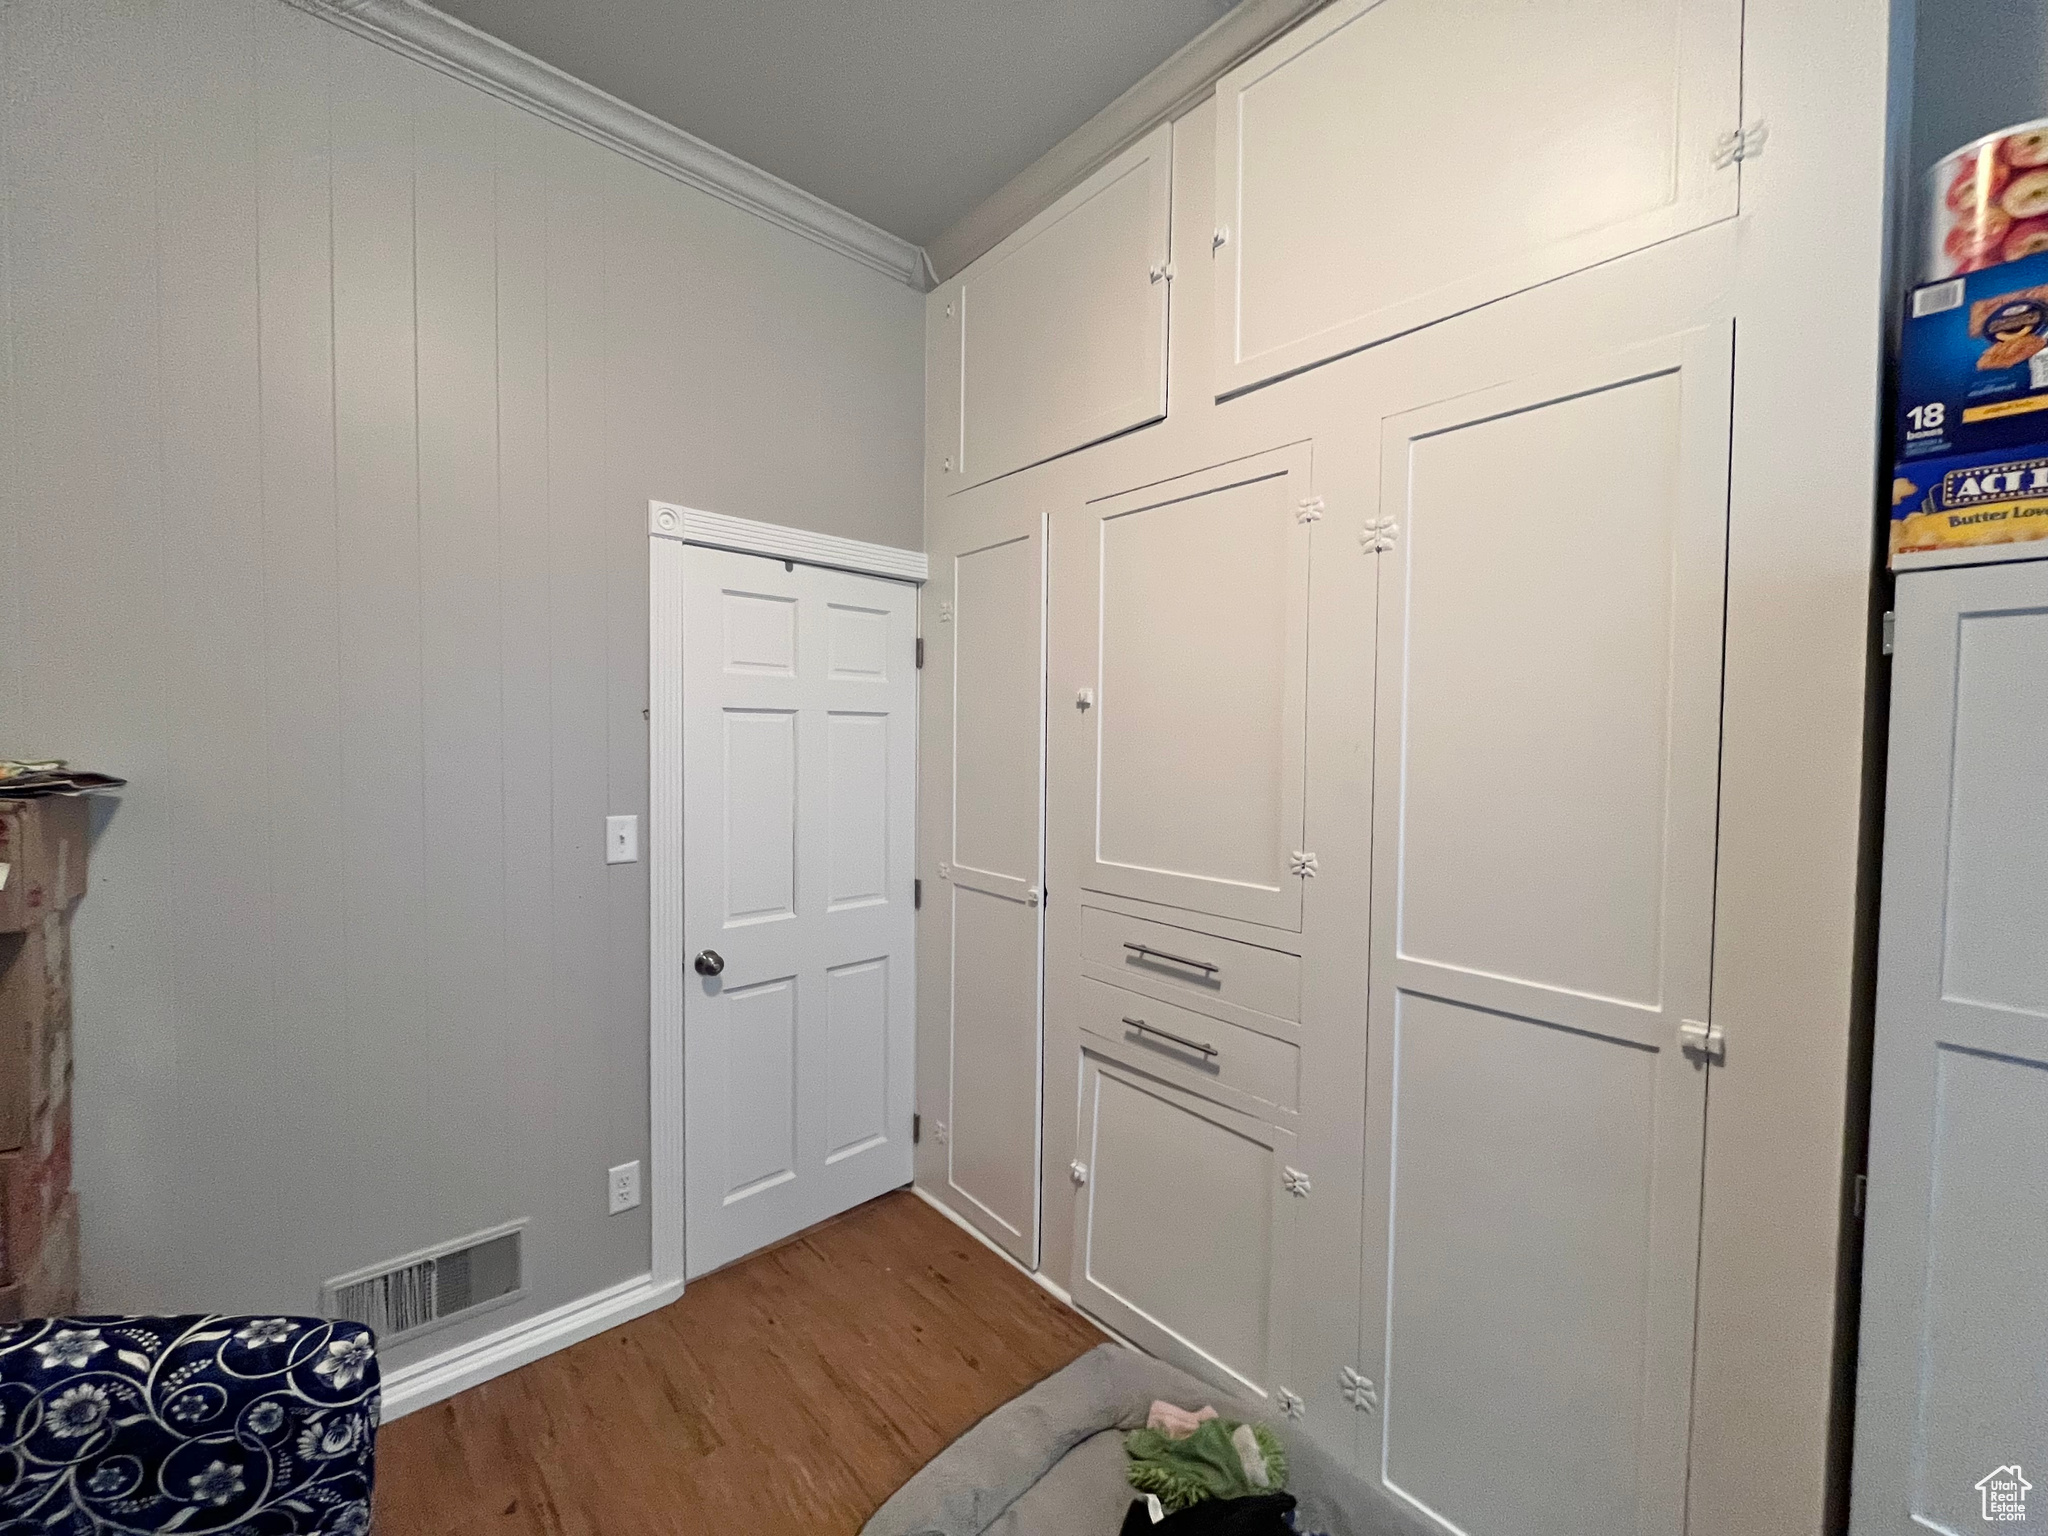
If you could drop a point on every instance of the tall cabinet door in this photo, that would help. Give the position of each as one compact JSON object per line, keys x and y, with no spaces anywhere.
{"x":1952,"y":1390}
{"x":1551,"y":583}
{"x":1193,"y":661}
{"x":983,"y":821}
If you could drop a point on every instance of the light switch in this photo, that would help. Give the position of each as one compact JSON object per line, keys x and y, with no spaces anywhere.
{"x":622,"y":839}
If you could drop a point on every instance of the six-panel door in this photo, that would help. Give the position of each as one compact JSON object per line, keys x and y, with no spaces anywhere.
{"x":1542,"y":918}
{"x":799,"y":743}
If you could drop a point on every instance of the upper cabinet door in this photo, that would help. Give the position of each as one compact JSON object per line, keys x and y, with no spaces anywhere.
{"x":1062,"y":328}
{"x":1393,"y":162}
{"x":1181,"y":679}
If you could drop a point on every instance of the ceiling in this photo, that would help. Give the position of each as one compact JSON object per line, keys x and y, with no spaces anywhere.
{"x":906,"y":112}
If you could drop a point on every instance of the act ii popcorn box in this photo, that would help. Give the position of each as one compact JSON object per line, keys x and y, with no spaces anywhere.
{"x":1971,"y":463}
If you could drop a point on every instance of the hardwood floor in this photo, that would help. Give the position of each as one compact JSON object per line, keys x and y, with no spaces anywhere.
{"x":792,"y":1392}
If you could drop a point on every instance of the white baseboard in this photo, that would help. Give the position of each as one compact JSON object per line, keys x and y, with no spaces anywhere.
{"x":1043,"y":1281}
{"x":468,"y":1365}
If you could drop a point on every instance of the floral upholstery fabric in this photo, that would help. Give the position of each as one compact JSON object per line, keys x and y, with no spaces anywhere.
{"x":264,"y":1426}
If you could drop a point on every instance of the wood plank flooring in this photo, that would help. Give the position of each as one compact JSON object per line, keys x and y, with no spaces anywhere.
{"x":792,"y":1392}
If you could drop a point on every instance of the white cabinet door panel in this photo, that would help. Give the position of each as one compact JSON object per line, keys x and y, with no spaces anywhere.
{"x":799,"y":742}
{"x":1951,"y":1390}
{"x":1544,"y":809}
{"x":1184,"y":697}
{"x":1184,"y":1235}
{"x":1062,"y":327}
{"x":1392,"y":162}
{"x":985,"y":698}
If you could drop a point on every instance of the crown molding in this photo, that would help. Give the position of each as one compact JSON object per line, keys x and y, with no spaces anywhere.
{"x":455,"y":48}
{"x":1166,"y":93}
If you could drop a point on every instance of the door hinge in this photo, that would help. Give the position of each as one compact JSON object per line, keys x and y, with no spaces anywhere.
{"x":1739,"y":144}
{"x":1309,"y":510}
{"x":1221,"y":238}
{"x":1358,"y":1390}
{"x":916,"y":1128}
{"x":1162,"y":272}
{"x":916,"y":895}
{"x":1291,"y":1405}
{"x":1702,"y":1039}
{"x":945,"y":610}
{"x":1378,"y":535}
{"x":1862,"y":1194}
{"x":1302,"y":864}
{"x":1078,"y":1172}
{"x":1295,"y":1182}
{"x":920,"y":653}
{"x":1891,"y":631}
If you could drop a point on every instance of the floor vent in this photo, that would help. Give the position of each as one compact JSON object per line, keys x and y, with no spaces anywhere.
{"x":435,"y":1286}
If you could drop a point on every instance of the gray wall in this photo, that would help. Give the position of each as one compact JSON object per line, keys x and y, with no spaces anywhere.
{"x":1979,"y":65}
{"x":334,"y":393}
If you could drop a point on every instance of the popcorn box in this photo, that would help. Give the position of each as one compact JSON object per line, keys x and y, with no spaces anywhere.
{"x":1970,"y":472}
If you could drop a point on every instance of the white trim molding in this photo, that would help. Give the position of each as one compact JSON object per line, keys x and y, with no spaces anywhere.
{"x":455,"y":48}
{"x":467,"y":1365}
{"x":667,"y":1190}
{"x":688,"y":525}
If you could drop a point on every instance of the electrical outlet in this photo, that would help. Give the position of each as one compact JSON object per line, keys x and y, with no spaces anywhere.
{"x":622,"y":839}
{"x":624,"y":1187}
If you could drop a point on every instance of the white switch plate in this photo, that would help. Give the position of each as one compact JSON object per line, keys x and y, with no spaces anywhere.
{"x":622,"y":839}
{"x":623,"y":1190}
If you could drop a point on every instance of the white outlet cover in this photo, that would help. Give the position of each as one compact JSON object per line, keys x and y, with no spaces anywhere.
{"x":622,"y":839}
{"x":623,"y":1187}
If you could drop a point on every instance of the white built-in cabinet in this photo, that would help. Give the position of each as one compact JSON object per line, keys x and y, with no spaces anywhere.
{"x":980,"y":930}
{"x":1548,"y":727}
{"x":1952,"y":1379}
{"x":1191,"y":630}
{"x":1058,"y":336}
{"x":1392,"y":162}
{"x":1362,"y":716}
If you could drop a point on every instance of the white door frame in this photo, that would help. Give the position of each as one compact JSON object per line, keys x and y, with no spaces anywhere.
{"x":671,"y":527}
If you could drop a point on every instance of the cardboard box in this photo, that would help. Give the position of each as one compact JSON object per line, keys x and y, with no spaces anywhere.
{"x":1971,"y":467}
{"x":42,"y":857}
{"x":50,"y":1286}
{"x":35,"y":1025}
{"x":34,"y":1184}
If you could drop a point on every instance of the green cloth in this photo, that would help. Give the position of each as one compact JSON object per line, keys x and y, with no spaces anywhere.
{"x":1203,"y":1465}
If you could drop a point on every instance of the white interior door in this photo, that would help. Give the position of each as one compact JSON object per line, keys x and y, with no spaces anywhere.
{"x":1952,"y":1389}
{"x":1542,"y":909}
{"x":986,"y":701}
{"x":799,"y":748}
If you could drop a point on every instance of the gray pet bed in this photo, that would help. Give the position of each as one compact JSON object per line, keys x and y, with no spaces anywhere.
{"x":1051,"y":1462}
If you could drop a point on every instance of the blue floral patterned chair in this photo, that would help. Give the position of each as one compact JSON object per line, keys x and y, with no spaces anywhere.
{"x":258,"y":1425}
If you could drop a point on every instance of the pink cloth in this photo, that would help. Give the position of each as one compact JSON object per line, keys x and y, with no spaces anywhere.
{"x":1176,"y":1423}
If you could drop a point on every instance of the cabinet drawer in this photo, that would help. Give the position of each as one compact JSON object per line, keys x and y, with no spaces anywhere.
{"x":1245,"y":983}
{"x":1202,"y":1052}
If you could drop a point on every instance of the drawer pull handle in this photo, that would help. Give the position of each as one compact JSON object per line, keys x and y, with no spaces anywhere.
{"x":1166,"y":1034}
{"x":1146,"y":952}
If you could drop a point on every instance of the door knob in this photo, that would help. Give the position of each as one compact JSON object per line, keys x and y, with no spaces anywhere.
{"x":710,"y":963}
